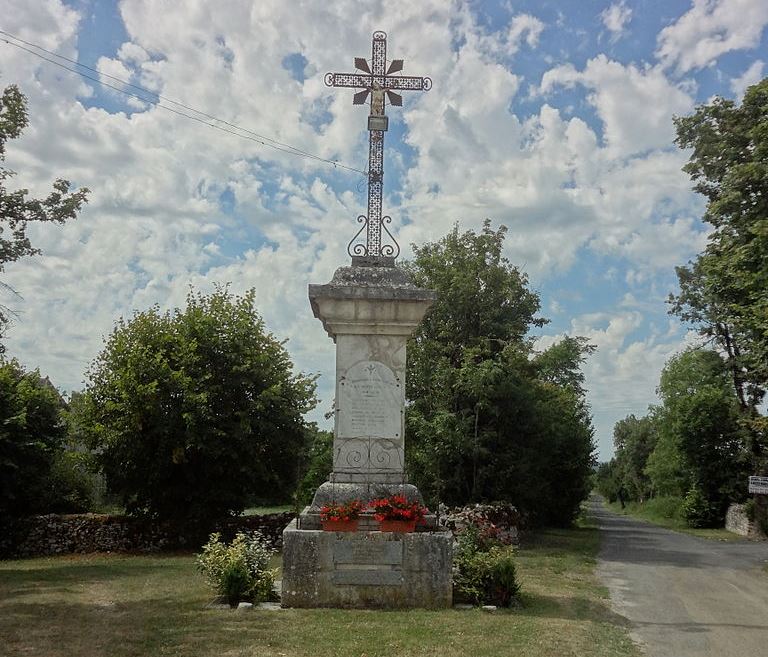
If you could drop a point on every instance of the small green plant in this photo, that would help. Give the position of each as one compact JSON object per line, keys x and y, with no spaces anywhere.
{"x":697,"y":510}
{"x":484,"y":576}
{"x":240,"y":570}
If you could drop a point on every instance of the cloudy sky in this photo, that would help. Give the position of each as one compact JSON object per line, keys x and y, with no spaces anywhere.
{"x":551,"y":117}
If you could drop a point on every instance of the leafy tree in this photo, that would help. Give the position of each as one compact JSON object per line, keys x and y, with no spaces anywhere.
{"x":489,"y":419}
{"x":701,"y":411}
{"x":691,"y":447}
{"x":725,"y":291}
{"x":16,"y":209}
{"x":634,"y":439}
{"x":196,"y":411}
{"x":31,"y":438}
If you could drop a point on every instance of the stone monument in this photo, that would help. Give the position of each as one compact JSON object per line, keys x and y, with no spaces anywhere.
{"x":369,"y":309}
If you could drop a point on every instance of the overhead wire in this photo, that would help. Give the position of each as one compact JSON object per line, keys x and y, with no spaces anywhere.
{"x":250,"y":134}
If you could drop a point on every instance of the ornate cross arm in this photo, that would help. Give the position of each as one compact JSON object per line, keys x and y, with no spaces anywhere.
{"x":355,"y":80}
{"x":377,"y":81}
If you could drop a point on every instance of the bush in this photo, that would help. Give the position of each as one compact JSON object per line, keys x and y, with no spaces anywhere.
{"x":697,"y":509}
{"x":71,"y":488}
{"x":495,"y":524}
{"x":484,"y":577}
{"x":239,"y":571}
{"x":666,"y":506}
{"x":194,"y":413}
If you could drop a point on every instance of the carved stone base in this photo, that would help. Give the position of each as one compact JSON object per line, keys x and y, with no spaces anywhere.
{"x":366,"y":569}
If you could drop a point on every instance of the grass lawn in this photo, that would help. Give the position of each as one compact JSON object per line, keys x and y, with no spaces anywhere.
{"x":264,"y":510}
{"x":659,"y":514}
{"x":121,"y":605}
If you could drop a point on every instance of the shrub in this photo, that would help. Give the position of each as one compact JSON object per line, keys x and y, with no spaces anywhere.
{"x":666,"y":506}
{"x":496,"y":524}
{"x":484,"y":577}
{"x":239,"y":571}
{"x":697,"y":509}
{"x":194,"y":412}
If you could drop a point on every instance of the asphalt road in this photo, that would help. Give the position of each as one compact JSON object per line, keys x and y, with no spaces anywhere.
{"x":685,"y":596}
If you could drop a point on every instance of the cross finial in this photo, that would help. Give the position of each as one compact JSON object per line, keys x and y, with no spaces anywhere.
{"x":378,"y":81}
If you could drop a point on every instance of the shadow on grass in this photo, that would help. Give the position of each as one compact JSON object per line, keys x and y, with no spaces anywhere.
{"x":569,"y":607}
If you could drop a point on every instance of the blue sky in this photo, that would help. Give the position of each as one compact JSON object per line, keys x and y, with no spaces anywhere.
{"x":552,"y":118}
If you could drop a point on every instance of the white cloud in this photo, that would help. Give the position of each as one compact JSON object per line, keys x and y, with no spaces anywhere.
{"x":623,"y":373}
{"x":156,"y":222}
{"x":635,"y":104}
{"x":709,"y":29}
{"x":524,"y":28}
{"x":751,"y":76}
{"x":615,"y":18}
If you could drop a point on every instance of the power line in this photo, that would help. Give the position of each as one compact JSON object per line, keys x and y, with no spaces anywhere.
{"x":250,"y":134}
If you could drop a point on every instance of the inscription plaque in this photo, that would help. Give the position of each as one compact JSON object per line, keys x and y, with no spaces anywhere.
{"x":370,"y":402}
{"x":367,"y":552}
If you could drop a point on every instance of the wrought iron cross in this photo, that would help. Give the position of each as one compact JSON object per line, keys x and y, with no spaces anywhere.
{"x":379,"y":82}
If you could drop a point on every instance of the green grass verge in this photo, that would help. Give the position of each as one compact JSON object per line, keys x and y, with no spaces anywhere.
{"x":663,"y":512}
{"x":264,"y":510}
{"x":127,"y":606}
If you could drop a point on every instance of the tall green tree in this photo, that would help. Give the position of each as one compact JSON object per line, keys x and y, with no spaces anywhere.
{"x":195,"y":412}
{"x":634,"y":439}
{"x":488,"y":418}
{"x":32,"y":434}
{"x":725,"y":291}
{"x":17,"y":209}
{"x":701,"y":415}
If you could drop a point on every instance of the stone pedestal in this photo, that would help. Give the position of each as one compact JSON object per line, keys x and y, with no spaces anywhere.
{"x":369,"y":309}
{"x":366,"y":569}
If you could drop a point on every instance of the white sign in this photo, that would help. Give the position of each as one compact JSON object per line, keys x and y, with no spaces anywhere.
{"x":758,"y":485}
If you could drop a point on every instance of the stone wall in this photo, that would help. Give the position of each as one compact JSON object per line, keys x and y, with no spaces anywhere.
{"x":736,"y":521}
{"x":83,"y":533}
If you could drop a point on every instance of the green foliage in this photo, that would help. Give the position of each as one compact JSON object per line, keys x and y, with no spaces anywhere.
{"x":16,"y":209}
{"x":31,"y":441}
{"x":240,"y":570}
{"x":724,"y":293}
{"x":70,"y":485}
{"x":489,"y":419}
{"x":634,"y":439}
{"x":320,"y":464}
{"x":693,"y":446}
{"x":698,"y":510}
{"x":193,"y":413}
{"x":484,"y":576}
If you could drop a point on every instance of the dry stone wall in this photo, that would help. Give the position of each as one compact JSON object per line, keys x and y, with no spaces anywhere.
{"x":736,"y":521}
{"x":83,"y":533}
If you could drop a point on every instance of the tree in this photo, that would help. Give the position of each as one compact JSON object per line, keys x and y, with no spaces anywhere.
{"x":17,"y":211}
{"x":725,"y":291}
{"x":701,"y":417}
{"x":487,"y":418}
{"x":634,"y":439}
{"x":194,"y":412}
{"x":31,"y":436}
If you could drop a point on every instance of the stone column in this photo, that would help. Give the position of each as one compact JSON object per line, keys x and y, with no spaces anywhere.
{"x":369,"y":309}
{"x":370,"y":312}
